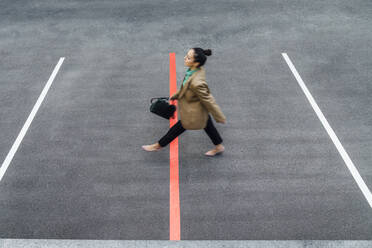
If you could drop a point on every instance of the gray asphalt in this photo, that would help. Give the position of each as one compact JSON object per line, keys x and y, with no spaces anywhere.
{"x":80,"y":172}
{"x":39,"y":243}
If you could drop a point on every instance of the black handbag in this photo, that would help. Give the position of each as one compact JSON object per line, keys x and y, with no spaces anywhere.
{"x":162,"y":107}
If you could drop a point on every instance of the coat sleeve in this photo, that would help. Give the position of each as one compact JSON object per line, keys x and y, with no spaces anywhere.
{"x":175,"y":95}
{"x":201,"y":89}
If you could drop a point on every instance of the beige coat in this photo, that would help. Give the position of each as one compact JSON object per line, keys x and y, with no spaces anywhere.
{"x":195,"y":102}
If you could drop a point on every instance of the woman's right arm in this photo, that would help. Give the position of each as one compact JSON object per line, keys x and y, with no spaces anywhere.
{"x":175,"y":96}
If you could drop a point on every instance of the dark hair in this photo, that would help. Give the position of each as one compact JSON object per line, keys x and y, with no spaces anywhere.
{"x":200,"y":55}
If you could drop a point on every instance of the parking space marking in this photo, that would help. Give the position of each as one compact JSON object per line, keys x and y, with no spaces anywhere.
{"x":350,"y":165}
{"x":174,"y":189}
{"x":27,"y":124}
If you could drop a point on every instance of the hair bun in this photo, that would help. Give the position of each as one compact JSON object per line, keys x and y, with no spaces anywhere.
{"x":207,"y":52}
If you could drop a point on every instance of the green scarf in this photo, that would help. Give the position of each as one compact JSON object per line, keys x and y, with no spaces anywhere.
{"x":188,"y":74}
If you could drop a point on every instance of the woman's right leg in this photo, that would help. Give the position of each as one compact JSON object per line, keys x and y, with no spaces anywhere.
{"x":172,"y":133}
{"x":213,"y":134}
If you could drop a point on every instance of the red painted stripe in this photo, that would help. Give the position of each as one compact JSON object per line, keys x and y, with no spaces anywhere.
{"x":174,"y":190}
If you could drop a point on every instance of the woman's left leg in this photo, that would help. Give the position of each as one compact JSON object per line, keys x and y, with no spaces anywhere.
{"x":172,"y":133}
{"x":176,"y":130}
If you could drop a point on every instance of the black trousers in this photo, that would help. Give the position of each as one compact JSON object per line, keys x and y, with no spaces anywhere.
{"x":177,"y":129}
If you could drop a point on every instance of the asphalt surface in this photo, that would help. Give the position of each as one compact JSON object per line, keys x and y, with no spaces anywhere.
{"x":80,"y":172}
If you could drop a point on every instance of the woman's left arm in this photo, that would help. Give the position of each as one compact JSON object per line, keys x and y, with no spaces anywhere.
{"x":201,"y":89}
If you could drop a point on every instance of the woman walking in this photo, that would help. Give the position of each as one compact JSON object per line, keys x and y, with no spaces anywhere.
{"x":195,"y":103}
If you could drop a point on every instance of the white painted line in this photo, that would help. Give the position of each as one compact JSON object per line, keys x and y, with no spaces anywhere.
{"x":359,"y":180}
{"x":27,"y":124}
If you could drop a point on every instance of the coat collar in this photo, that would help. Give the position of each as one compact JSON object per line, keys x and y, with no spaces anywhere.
{"x":200,"y":72}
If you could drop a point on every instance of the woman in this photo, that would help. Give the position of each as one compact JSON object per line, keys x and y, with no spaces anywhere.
{"x":194,"y":102}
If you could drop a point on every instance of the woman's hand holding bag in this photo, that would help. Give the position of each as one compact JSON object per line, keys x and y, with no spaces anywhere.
{"x":171,"y":101}
{"x":162,"y":108}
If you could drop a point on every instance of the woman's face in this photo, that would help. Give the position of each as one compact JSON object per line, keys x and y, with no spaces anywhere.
{"x":189,"y":59}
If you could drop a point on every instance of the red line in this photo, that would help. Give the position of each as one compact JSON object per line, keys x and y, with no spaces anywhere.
{"x":174,"y":190}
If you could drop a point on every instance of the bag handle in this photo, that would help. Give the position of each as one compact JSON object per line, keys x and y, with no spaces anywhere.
{"x":152,"y":99}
